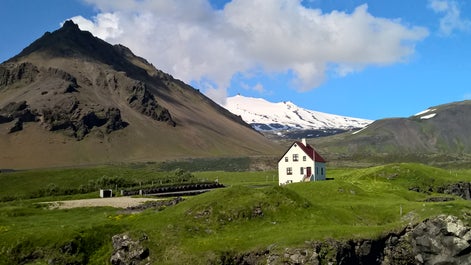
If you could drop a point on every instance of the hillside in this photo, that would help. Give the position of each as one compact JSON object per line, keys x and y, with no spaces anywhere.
{"x":252,"y":221}
{"x":287,"y":120}
{"x":440,"y":133}
{"x":72,"y":99}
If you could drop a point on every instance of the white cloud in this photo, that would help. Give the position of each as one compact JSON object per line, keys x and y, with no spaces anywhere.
{"x":104,"y":25}
{"x":194,"y":42}
{"x":451,"y":19}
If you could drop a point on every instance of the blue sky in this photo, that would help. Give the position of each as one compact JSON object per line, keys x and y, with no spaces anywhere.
{"x":367,"y":59}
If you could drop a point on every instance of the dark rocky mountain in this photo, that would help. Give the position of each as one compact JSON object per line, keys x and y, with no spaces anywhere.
{"x":438,"y":133}
{"x":70,"y":98}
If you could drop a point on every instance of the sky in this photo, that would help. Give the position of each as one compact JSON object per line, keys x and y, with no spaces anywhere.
{"x":366,"y":59}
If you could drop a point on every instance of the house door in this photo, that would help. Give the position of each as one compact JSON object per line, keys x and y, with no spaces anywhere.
{"x":308,"y":171}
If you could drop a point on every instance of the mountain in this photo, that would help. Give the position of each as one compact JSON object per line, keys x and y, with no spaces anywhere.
{"x":70,"y":98}
{"x":288,"y":120}
{"x":440,"y":132}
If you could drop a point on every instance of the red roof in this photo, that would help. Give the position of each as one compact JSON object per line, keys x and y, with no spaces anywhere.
{"x":308,"y":150}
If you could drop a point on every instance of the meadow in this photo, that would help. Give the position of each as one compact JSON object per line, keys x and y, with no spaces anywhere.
{"x":252,"y":213}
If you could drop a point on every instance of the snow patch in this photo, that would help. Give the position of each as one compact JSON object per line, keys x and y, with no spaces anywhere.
{"x":285,"y":115}
{"x":425,"y":111}
{"x":429,"y":116}
{"x":355,"y":132}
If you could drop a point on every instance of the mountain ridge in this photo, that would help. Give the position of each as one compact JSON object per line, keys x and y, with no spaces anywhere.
{"x":287,"y":119}
{"x":437,"y":133}
{"x":70,"y":98}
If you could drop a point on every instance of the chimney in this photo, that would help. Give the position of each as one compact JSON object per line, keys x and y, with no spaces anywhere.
{"x":304,"y":141}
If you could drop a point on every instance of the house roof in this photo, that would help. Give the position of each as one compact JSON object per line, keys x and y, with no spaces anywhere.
{"x":308,"y":150}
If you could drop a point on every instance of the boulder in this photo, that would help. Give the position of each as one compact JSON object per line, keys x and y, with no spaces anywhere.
{"x":128,"y":251}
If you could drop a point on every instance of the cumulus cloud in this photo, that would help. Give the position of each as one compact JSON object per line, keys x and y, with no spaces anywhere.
{"x":257,"y":87}
{"x":451,"y":19}
{"x":194,"y":42}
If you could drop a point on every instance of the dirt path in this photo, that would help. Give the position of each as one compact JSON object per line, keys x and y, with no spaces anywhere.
{"x":117,"y":202}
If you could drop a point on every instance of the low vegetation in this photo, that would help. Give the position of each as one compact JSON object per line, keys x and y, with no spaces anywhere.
{"x":252,"y":213}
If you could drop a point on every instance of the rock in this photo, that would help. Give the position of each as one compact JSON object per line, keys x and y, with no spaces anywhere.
{"x":257,"y":212}
{"x":67,"y":115}
{"x":11,"y":74}
{"x":143,"y":101}
{"x":439,"y":240}
{"x":462,"y":189}
{"x":439,"y":199}
{"x":17,"y":126}
{"x":19,"y":112}
{"x":127,"y":251}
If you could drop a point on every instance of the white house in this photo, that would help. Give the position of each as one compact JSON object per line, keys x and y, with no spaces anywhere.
{"x":301,"y":163}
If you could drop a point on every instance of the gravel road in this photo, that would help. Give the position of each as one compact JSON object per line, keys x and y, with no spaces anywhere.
{"x":117,"y":202}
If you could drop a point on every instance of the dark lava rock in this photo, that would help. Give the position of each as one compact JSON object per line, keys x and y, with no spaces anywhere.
{"x":19,"y":112}
{"x":17,"y":126}
{"x":24,"y":72}
{"x":462,"y":189}
{"x":127,"y":251}
{"x":142,"y":100}
{"x":67,"y":115}
{"x":440,"y":240}
{"x":439,"y":199}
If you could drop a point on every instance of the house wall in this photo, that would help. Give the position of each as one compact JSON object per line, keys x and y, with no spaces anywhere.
{"x":320,"y":172}
{"x":297,"y":174}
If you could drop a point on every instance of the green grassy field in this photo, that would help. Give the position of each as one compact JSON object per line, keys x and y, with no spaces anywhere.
{"x":252,"y":213}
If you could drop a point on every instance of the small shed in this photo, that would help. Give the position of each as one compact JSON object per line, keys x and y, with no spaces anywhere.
{"x":106,"y":193}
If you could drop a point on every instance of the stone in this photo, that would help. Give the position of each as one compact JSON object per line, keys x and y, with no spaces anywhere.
{"x":439,"y":240}
{"x":127,"y":251}
{"x":142,"y":100}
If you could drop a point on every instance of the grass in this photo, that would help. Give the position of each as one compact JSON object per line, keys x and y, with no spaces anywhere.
{"x":252,"y":214}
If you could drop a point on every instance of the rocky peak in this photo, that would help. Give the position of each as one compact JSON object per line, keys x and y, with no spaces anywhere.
{"x":71,"y":42}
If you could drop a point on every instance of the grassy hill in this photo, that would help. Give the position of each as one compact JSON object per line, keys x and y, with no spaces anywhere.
{"x":437,"y":136}
{"x":251,"y":214}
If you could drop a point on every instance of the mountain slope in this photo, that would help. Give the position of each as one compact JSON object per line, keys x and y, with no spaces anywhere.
{"x":283,"y":117}
{"x":443,"y":129}
{"x":70,"y":99}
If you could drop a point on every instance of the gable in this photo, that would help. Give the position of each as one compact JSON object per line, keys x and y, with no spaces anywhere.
{"x":306,"y":149}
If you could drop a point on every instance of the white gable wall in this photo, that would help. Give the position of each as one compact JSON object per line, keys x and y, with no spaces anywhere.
{"x":290,"y":171}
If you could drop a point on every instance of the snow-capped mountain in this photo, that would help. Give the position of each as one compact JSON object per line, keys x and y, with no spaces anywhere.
{"x":268,"y":116}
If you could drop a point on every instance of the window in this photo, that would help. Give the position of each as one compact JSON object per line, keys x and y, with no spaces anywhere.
{"x":295,"y":157}
{"x":286,"y":159}
{"x":317,"y":171}
{"x":301,"y":170}
{"x":322,"y":171}
{"x":304,"y":158}
{"x":289,"y":171}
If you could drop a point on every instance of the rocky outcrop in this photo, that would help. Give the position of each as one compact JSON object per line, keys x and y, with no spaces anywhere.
{"x":19,"y":112}
{"x":78,"y":122}
{"x":11,"y":74}
{"x":142,"y":100}
{"x":461,"y":189}
{"x":66,"y":115}
{"x":440,"y":240}
{"x":128,"y":251}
